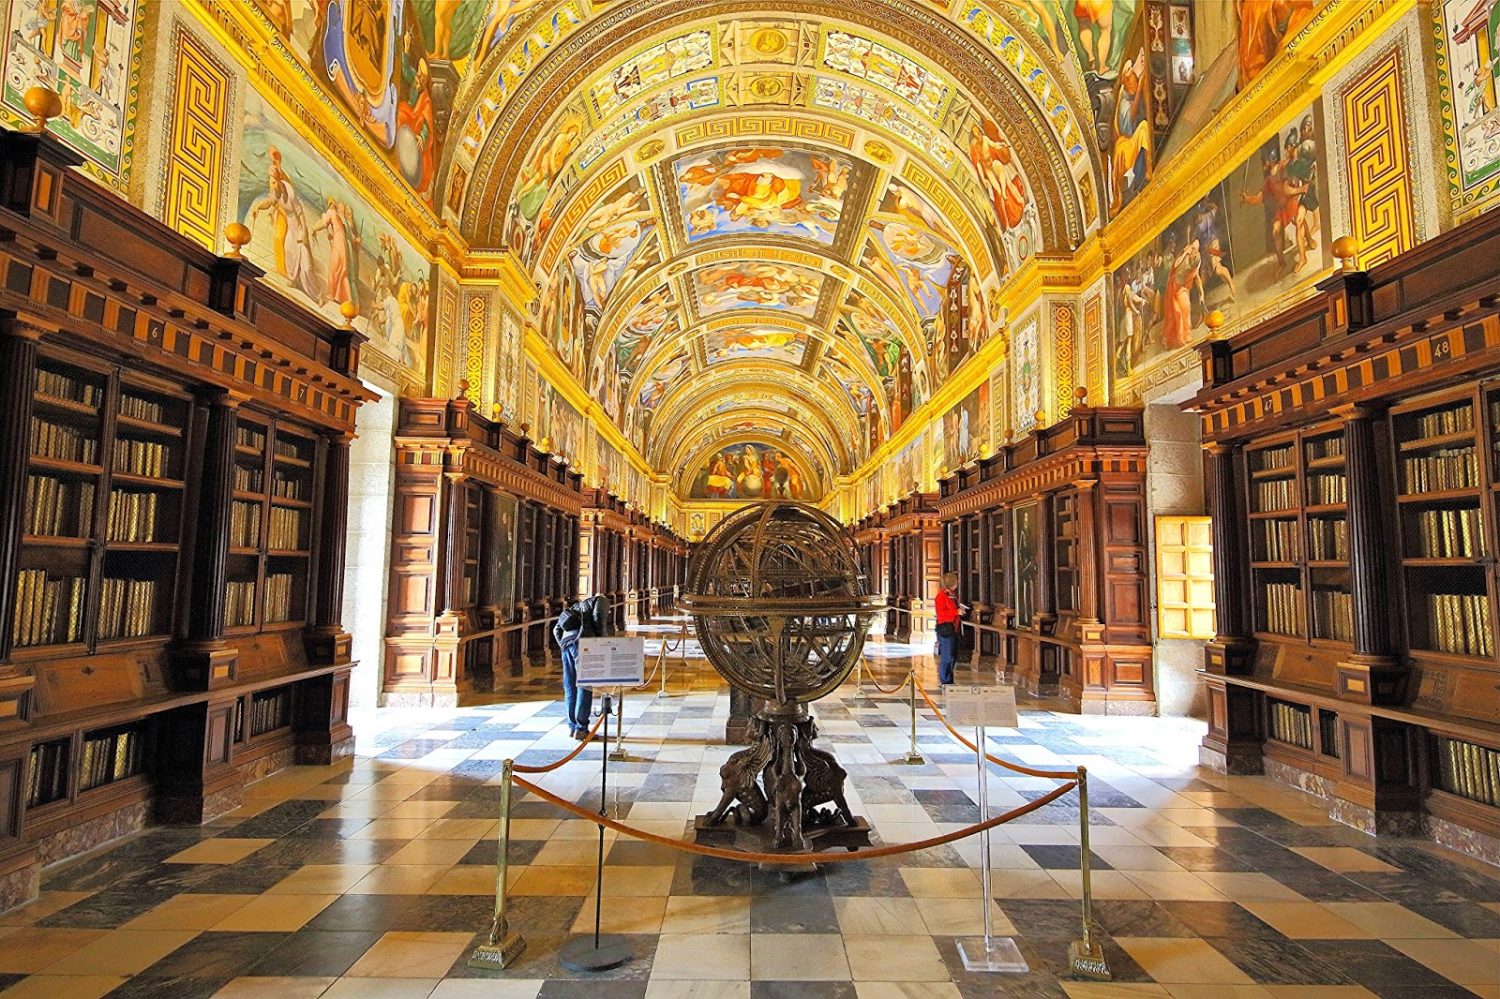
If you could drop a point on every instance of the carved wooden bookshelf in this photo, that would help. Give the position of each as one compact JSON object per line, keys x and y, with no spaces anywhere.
{"x":1048,"y":538}
{"x":174,"y":441}
{"x":1352,"y":451}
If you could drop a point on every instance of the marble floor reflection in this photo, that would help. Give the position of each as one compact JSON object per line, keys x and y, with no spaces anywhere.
{"x":375,"y":878}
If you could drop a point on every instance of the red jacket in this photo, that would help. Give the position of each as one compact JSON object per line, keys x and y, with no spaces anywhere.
{"x":947,"y":608}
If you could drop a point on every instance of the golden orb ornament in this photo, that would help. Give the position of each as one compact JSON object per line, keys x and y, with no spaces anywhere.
{"x":236,"y":234}
{"x":1346,"y":249}
{"x":349,"y":311}
{"x":1214,"y":320}
{"x":43,"y":103}
{"x":1040,"y":416}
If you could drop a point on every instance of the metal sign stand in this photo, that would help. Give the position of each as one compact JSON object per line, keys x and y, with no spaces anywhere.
{"x":599,"y":952}
{"x":989,"y":952}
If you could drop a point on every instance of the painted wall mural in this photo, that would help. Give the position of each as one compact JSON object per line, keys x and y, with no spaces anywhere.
{"x":1257,"y":235}
{"x":1026,"y":368}
{"x":1468,"y":71}
{"x":751,"y":471}
{"x":773,"y":190}
{"x":966,"y":427}
{"x":871,"y":430}
{"x":1264,"y":30}
{"x":395,"y":65}
{"x":88,"y":51}
{"x":902,"y":378}
{"x":318,"y":239}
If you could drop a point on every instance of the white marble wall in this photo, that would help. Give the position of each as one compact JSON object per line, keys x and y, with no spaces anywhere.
{"x":1174,"y":486}
{"x":367,"y":556}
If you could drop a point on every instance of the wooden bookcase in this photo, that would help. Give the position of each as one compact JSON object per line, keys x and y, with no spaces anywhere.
{"x":485,"y":552}
{"x":1048,"y":540}
{"x":1352,"y":453}
{"x":173,"y":444}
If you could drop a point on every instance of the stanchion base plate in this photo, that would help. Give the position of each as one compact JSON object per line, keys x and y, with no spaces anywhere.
{"x":580,"y":953}
{"x":499,"y":955}
{"x":997,"y":954}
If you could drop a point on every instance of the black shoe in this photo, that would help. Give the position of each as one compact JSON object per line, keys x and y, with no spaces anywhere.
{"x":580,"y":734}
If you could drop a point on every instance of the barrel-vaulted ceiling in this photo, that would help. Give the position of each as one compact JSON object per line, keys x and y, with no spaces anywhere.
{"x":768,"y":229}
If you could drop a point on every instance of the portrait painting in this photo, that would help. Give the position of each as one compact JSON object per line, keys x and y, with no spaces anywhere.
{"x":82,"y":50}
{"x":1259,"y":234}
{"x":504,"y":548}
{"x":757,"y":284}
{"x":318,"y":239}
{"x":774,"y":190}
{"x":751,"y":471}
{"x":764,"y":343}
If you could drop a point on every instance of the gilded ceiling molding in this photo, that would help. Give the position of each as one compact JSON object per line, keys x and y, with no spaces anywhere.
{"x":686,"y":412}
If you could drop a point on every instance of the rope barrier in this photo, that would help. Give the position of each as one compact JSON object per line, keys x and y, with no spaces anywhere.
{"x":652,"y":676}
{"x":721,"y":853}
{"x":908,"y":678}
{"x":1016,"y":767}
{"x":523,"y":768}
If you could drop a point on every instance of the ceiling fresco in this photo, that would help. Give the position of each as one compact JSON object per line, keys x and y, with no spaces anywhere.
{"x":768,"y":230}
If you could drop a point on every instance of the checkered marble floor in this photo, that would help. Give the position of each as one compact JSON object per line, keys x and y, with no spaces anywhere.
{"x":374,"y":878}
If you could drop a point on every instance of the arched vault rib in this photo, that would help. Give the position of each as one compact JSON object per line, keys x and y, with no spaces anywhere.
{"x":760,"y":400}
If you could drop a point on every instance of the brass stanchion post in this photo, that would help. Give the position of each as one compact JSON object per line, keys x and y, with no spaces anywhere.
{"x":503,"y":947}
{"x":912,"y":756}
{"x":618,"y":754}
{"x":1086,"y":957}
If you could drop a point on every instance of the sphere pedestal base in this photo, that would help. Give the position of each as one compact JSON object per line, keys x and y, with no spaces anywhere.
{"x":758,"y":839}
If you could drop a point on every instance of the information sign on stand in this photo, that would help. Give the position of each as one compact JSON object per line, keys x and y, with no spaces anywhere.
{"x":611,"y":662}
{"x":984,"y":705}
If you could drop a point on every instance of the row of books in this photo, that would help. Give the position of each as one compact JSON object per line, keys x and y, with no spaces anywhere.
{"x":147,"y":410}
{"x":132,"y":516}
{"x":1283,"y":605}
{"x":1327,"y":539}
{"x":1327,"y":489}
{"x":109,"y":757}
{"x":60,"y":386}
{"x":1446,"y":421}
{"x":1460,"y":623}
{"x":244,"y":524}
{"x":49,"y":610}
{"x":62,"y":443}
{"x":1468,"y":770}
{"x":239,"y":603}
{"x":1273,"y":458}
{"x":293,"y":487}
{"x":1447,"y":469}
{"x":1446,"y":533}
{"x":270,"y":710}
{"x":57,"y":508}
{"x":247,"y":479}
{"x":1326,"y":447}
{"x":279,"y":597}
{"x":251,"y":437}
{"x":1290,"y":723}
{"x":1278,"y":540}
{"x":135,"y":457}
{"x":127,"y":608}
{"x":1334,"y":610}
{"x":286,"y":529}
{"x":1275,"y":494}
{"x":47,"y":773}
{"x":286,"y":448}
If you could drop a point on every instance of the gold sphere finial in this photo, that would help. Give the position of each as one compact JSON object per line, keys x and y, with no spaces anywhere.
{"x":463,"y":388}
{"x":494,"y":411}
{"x":1081,"y":393}
{"x":236,"y":234}
{"x":349,"y":310}
{"x":1040,"y":416}
{"x":43,"y":103}
{"x":1346,"y":248}
{"x":1214,"y":320}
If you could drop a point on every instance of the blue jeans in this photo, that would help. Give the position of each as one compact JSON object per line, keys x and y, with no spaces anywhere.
{"x":579,"y":701}
{"x":945,"y":657}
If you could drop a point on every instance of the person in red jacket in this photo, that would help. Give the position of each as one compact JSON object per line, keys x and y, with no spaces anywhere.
{"x":947,"y":626}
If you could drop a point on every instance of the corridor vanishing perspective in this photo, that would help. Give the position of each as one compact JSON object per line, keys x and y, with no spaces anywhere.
{"x":375,"y":877}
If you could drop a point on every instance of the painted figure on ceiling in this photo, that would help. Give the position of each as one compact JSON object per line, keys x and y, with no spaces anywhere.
{"x":1265,"y":26}
{"x":995,"y":161}
{"x":1130,"y":156}
{"x":293,"y":255}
